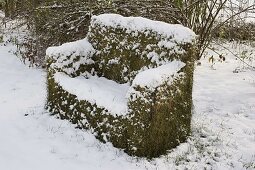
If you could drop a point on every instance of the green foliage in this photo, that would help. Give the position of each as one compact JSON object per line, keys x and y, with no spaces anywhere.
{"x":139,"y":133}
{"x":167,"y":123}
{"x":149,"y":129}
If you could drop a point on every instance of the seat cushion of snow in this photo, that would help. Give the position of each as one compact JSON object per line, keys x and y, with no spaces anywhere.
{"x":97,"y":90}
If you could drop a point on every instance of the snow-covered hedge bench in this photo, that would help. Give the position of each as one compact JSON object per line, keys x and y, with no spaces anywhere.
{"x":129,"y":81}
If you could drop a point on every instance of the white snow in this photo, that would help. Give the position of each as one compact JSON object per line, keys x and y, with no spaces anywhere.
{"x":225,"y":99}
{"x":94,"y":89}
{"x":73,"y":53}
{"x":154,"y":77}
{"x":76,"y":48}
{"x":97,"y":90}
{"x":178,"y":32}
{"x":2,"y":15}
{"x":223,"y":124}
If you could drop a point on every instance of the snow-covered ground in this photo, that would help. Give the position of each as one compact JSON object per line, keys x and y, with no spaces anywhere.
{"x":223,"y":124}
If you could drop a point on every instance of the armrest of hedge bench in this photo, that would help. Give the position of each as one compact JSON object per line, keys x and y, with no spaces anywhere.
{"x":74,"y":58}
{"x":148,"y":86}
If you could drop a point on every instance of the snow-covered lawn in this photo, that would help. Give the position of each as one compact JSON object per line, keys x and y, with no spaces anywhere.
{"x":223,"y":124}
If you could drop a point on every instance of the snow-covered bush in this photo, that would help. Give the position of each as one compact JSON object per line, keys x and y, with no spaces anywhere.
{"x":129,"y":81}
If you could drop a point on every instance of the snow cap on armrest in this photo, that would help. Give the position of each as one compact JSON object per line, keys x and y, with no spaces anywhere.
{"x":154,"y":77}
{"x":76,"y":48}
{"x":70,"y":56}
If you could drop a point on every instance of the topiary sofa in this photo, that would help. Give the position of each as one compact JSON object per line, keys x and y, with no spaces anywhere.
{"x":129,"y":82}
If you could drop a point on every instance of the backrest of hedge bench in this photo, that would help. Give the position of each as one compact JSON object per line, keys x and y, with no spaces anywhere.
{"x":127,"y":45}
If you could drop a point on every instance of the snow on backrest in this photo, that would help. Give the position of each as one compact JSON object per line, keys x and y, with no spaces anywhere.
{"x":128,"y":45}
{"x":180,"y":33}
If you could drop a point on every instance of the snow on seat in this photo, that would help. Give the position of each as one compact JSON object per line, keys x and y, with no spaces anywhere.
{"x":97,"y":90}
{"x":111,"y":95}
{"x":129,"y":81}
